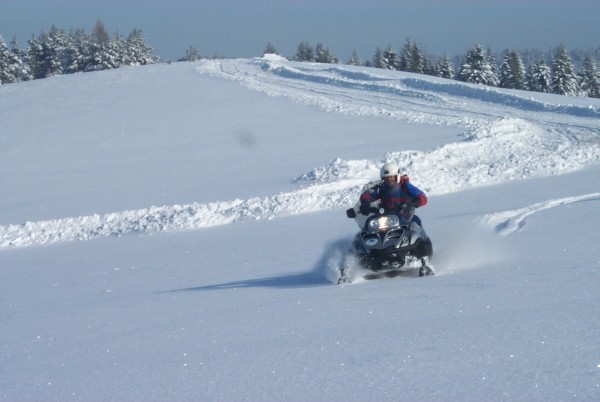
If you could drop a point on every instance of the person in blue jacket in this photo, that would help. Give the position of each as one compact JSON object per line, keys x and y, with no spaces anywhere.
{"x":394,"y":190}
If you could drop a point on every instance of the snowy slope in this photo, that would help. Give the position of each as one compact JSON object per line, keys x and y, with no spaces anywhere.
{"x":212,"y":195}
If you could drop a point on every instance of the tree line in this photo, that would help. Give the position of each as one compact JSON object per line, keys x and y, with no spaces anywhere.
{"x":56,"y":52}
{"x":478,"y":66}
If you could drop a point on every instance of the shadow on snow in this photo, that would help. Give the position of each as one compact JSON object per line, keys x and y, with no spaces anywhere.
{"x":324,"y":273}
{"x":299,"y":280}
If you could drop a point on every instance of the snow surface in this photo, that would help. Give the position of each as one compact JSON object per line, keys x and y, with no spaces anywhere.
{"x":212,"y":196}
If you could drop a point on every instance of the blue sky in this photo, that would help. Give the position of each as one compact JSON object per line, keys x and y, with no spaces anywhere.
{"x":242,"y":28}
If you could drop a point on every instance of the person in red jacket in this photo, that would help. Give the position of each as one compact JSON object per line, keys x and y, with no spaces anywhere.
{"x":394,"y":191}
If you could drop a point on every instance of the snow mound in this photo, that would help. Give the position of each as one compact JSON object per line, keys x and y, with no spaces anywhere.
{"x":491,"y":153}
{"x":499,"y":151}
{"x":339,"y":170}
{"x":176,"y":217}
{"x":274,"y":58}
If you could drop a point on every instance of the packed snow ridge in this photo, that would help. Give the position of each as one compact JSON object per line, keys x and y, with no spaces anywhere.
{"x":539,"y":139}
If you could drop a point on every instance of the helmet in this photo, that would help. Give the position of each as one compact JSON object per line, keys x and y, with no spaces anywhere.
{"x":389,"y":169}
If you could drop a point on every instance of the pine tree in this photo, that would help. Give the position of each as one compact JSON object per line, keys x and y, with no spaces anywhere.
{"x":589,"y":80}
{"x":428,"y":66}
{"x":109,"y":55}
{"x":506,"y":74}
{"x":46,"y":52}
{"x":512,"y":71}
{"x":354,"y":60}
{"x":305,"y":52}
{"x":519,"y":73}
{"x":491,"y":59}
{"x":99,"y":34}
{"x":417,"y":62}
{"x":5,"y":74}
{"x":137,"y":50}
{"x":413,"y":60}
{"x":444,"y":68}
{"x":390,"y":59}
{"x":405,"y":60}
{"x":378,"y":59}
{"x":12,"y":66}
{"x":270,"y":49}
{"x":20,"y":65}
{"x":78,"y":52}
{"x":564,"y":80}
{"x":477,"y":69}
{"x":539,"y":77}
{"x":191,"y":54}
{"x":323,"y":55}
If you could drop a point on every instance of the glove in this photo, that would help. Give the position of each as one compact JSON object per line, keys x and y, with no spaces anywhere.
{"x":420,"y":201}
{"x":364,"y":209}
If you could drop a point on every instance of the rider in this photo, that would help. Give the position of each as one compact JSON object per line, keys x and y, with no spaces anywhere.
{"x":393,"y":192}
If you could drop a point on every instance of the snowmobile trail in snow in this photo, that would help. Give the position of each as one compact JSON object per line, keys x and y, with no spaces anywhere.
{"x":509,"y":222}
{"x":352,"y":90}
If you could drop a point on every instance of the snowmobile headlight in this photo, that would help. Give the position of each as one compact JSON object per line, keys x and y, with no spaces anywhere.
{"x":384,"y":222}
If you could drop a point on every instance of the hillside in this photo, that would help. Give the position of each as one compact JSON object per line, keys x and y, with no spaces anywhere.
{"x":174,"y":232}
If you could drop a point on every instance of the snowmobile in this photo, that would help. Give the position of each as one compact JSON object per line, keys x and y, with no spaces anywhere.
{"x":389,"y":244}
